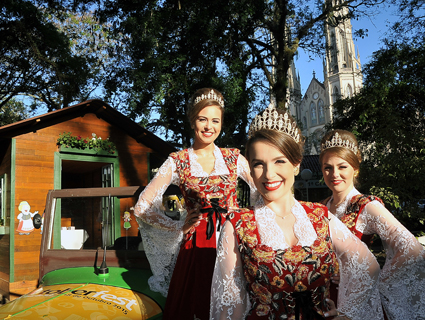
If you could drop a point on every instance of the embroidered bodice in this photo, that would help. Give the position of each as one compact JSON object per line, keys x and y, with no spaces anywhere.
{"x":290,"y":281}
{"x":213,"y":194}
{"x":161,"y":235}
{"x":277,"y":268}
{"x":402,"y":279}
{"x":149,"y":206}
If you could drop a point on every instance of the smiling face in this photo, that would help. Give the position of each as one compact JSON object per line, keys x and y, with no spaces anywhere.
{"x":207,"y":125}
{"x":272,"y":172}
{"x":337,"y":173}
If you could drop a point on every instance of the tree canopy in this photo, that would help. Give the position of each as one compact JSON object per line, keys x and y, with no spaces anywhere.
{"x":35,"y":57}
{"x":244,"y":48}
{"x":146,"y":57}
{"x":13,"y":111}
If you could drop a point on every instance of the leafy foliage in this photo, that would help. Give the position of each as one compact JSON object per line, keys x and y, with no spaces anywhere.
{"x":35,"y":58}
{"x":13,"y":111}
{"x":410,"y":26}
{"x":388,"y":118}
{"x":243,"y":48}
{"x":96,"y":143}
{"x":92,"y":41}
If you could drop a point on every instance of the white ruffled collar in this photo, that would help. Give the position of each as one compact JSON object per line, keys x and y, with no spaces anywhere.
{"x":271,"y":234}
{"x":196,"y":169}
{"x":342,"y":207}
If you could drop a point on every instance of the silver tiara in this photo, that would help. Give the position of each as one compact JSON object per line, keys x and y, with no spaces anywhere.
{"x":272,"y":120}
{"x":336,"y":142}
{"x":211,"y":95}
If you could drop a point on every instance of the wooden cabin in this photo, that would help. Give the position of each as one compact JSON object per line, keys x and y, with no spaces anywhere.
{"x":32,"y":163}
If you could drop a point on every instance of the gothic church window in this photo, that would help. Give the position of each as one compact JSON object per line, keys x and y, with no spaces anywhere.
{"x":333,"y":50}
{"x":348,"y":92}
{"x":335,"y":94}
{"x":304,"y":122}
{"x":321,"y":107}
{"x":313,"y":113}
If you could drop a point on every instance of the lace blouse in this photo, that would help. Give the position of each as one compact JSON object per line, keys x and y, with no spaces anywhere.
{"x":358,"y":292}
{"x":402,"y":278}
{"x":161,"y":235}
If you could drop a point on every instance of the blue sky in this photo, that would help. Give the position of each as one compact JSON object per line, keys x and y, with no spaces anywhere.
{"x":377,"y":26}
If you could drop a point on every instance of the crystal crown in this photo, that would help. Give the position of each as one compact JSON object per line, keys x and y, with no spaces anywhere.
{"x":272,"y":120}
{"x":211,"y":95}
{"x":336,"y":142}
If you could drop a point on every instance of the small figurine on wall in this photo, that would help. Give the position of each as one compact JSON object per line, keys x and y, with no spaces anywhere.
{"x":25,"y":225}
{"x":127,"y":224}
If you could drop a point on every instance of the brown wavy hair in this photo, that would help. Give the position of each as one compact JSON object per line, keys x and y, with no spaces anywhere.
{"x":354,"y":159}
{"x":194,"y":109}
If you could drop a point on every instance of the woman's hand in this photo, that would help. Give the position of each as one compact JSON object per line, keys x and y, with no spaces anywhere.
{"x":333,"y":313}
{"x":335,"y":279}
{"x":193,"y":219}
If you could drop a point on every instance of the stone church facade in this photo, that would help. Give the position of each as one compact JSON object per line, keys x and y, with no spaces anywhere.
{"x":342,"y":78}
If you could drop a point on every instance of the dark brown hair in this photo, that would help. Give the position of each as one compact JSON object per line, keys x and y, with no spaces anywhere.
{"x":354,"y":159}
{"x":283,"y":142}
{"x":194,"y":109}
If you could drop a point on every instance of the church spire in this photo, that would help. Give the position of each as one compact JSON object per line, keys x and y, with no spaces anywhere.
{"x":343,"y":75}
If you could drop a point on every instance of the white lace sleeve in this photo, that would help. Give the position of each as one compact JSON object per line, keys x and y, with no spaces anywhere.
{"x":229,"y":299}
{"x":244,"y":172}
{"x":149,"y":206}
{"x":402,"y":279}
{"x":160,"y":234}
{"x":358,"y":294}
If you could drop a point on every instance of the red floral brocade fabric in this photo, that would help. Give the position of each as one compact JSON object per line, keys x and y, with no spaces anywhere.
{"x":291,"y":283}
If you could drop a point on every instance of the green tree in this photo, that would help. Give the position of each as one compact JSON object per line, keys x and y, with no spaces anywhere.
{"x":244,"y":46}
{"x":410,"y":27}
{"x":170,"y":53}
{"x":92,"y":41}
{"x":13,"y":111}
{"x":388,"y":118}
{"x":35,"y":58}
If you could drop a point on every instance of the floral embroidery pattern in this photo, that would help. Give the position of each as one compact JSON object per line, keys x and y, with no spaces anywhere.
{"x":200,"y":190}
{"x":354,"y":208}
{"x":278,"y":279}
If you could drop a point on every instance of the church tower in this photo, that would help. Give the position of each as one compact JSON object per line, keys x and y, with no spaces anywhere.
{"x":342,"y":78}
{"x":342,"y":68}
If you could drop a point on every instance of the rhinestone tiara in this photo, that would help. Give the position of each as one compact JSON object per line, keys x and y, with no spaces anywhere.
{"x":272,"y":120}
{"x":336,"y":142}
{"x":211,"y":95}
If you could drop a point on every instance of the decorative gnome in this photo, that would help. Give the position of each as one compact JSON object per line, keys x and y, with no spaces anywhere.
{"x":25,"y":225}
{"x":127,"y":219}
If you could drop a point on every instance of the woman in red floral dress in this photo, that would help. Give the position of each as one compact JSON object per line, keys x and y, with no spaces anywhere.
{"x":276,"y":260}
{"x":402,"y":279}
{"x":207,"y":177}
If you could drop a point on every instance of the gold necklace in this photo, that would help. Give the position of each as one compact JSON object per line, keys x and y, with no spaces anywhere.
{"x":283,"y":218}
{"x":288,"y":214}
{"x":338,"y":204}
